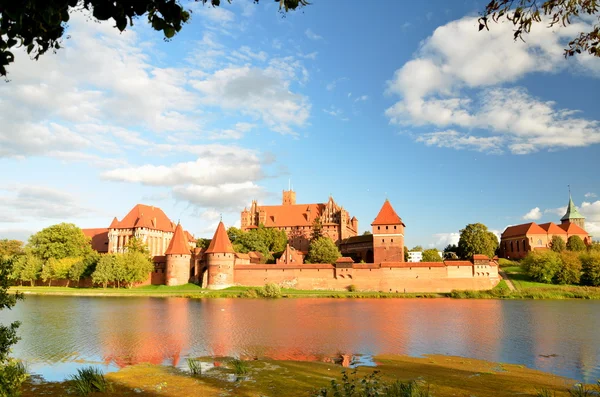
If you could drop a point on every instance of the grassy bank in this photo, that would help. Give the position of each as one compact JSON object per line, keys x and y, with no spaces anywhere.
{"x":445,"y":375}
{"x":193,"y":291}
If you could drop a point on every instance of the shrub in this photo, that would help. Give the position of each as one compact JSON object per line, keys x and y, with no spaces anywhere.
{"x":12,"y":374}
{"x":351,"y":288}
{"x":89,"y":380}
{"x":194,"y":366}
{"x":590,"y":264}
{"x":542,"y":266}
{"x":570,"y":271}
{"x":575,"y":243}
{"x":250,"y":293}
{"x":239,"y":367}
{"x":558,"y":244}
{"x":270,"y":290}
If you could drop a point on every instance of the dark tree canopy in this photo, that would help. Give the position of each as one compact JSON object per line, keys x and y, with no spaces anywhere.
{"x":39,"y":25}
{"x":524,"y":13}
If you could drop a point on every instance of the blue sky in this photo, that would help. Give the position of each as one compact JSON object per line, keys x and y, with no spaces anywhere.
{"x":407,"y":101}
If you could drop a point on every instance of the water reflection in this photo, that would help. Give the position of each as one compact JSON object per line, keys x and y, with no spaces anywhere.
{"x":59,"y":333}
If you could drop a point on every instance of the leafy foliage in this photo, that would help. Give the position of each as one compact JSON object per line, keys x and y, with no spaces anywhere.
{"x":239,"y":367}
{"x":89,"y":380}
{"x":323,"y":250}
{"x":270,"y":290}
{"x":476,"y":239}
{"x":590,"y":264}
{"x":134,"y":267}
{"x":570,"y":270}
{"x":262,"y":239}
{"x":39,"y":25}
{"x":105,"y":272}
{"x":542,"y":266}
{"x":523,"y":14}
{"x":205,"y":242}
{"x":10,"y":247}
{"x":317,"y":230}
{"x":11,"y":374}
{"x":29,"y":267}
{"x":59,"y":241}
{"x":575,"y":243}
{"x":558,"y":244}
{"x":137,"y":245}
{"x":85,"y":267}
{"x":431,"y":255}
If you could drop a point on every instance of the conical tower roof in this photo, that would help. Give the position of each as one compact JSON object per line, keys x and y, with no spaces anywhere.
{"x":387,"y":216}
{"x":179,"y":244}
{"x":220,"y":242}
{"x":572,"y":212}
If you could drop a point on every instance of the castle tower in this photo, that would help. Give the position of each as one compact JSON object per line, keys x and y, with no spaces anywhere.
{"x":289,"y":197}
{"x":179,"y":258}
{"x":220,"y":258}
{"x":572,"y":215}
{"x":388,"y":235}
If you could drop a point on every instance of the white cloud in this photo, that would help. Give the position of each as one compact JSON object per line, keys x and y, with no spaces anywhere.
{"x":362,"y":98}
{"x":560,"y":211}
{"x":229,"y":197}
{"x":590,"y":195}
{"x":444,"y":239}
{"x":457,"y":140}
{"x":591,"y":211}
{"x":437,"y":86}
{"x":312,"y":35}
{"x":533,"y":215}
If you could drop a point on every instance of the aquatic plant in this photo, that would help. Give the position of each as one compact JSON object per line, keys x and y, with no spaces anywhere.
{"x":581,"y":390}
{"x":194,"y":366}
{"x":88,"y":380}
{"x":239,"y":367}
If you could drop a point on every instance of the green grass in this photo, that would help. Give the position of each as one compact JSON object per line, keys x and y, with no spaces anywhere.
{"x":89,"y":380}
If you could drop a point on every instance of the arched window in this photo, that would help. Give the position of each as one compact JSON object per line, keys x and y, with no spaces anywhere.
{"x":517,"y":245}
{"x":511,"y":247}
{"x":539,"y":242}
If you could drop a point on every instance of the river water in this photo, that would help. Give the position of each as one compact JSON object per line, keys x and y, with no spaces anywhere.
{"x":60,"y":334}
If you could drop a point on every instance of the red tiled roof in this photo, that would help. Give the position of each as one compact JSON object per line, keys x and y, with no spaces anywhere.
{"x":387,"y":216}
{"x":458,"y":263}
{"x":572,"y":228}
{"x":145,"y":216}
{"x":552,"y":228}
{"x":114,"y":224}
{"x":522,"y":230}
{"x":291,"y":215}
{"x":344,"y":259}
{"x":413,"y":264}
{"x":220,"y":243}
{"x":242,"y":256}
{"x":99,"y":238}
{"x":189,"y":236}
{"x":480,"y":257}
{"x":179,"y":244}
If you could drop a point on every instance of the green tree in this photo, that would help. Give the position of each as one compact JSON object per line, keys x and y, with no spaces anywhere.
{"x":251,"y":241}
{"x":11,"y":373}
{"x":135,"y":244}
{"x":234,"y":233}
{"x":431,"y":255}
{"x":274,"y":239}
{"x":205,"y":242}
{"x":557,"y":244}
{"x":39,"y":25}
{"x":367,"y":233}
{"x":405,"y":254}
{"x":31,"y":267}
{"x":542,"y":266}
{"x":105,"y":270}
{"x":595,"y":246}
{"x":317,"y":230}
{"x":322,"y":250}
{"x":136,"y":266}
{"x":576,"y":244}
{"x":47,"y":274}
{"x":476,"y":239}
{"x":590,"y":264}
{"x":570,"y":270}
{"x":523,"y":14}
{"x":417,"y":248}
{"x":85,"y":267}
{"x":10,"y":247}
{"x":59,"y":241}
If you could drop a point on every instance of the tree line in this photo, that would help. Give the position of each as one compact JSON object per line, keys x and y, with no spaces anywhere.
{"x":63,"y":252}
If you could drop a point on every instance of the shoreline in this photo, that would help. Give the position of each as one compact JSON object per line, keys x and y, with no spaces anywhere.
{"x":189,"y":291}
{"x":445,"y":375}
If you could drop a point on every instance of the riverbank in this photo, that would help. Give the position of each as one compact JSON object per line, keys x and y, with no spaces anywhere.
{"x":444,"y":375}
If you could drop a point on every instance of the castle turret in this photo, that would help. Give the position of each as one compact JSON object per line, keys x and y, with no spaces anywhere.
{"x":178,"y":257}
{"x":573,"y":215}
{"x":388,"y":235}
{"x":289,"y":197}
{"x":220,"y":258}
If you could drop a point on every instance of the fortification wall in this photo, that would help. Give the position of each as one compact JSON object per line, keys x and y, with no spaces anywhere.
{"x":364,"y":277}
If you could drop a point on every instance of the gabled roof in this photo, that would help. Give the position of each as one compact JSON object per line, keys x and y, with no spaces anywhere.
{"x":572,"y":228}
{"x":387,"y":216}
{"x":291,"y":215}
{"x":572,"y":212}
{"x":99,"y":238}
{"x":220,"y":243}
{"x":480,"y":257}
{"x":552,"y":228}
{"x":522,"y":230}
{"x":179,"y":243}
{"x":145,"y":216}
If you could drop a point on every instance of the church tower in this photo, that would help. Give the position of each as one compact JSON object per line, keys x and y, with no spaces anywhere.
{"x":178,"y":258}
{"x":289,"y":197}
{"x":388,"y":235}
{"x":220,"y":258}
{"x":573,"y":215}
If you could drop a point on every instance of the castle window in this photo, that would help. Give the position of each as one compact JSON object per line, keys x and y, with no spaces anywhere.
{"x":386,"y":228}
{"x":378,"y":227}
{"x":383,"y":240}
{"x":517,"y":245}
{"x":539,"y":241}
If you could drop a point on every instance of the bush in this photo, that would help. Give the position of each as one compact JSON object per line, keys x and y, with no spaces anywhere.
{"x":542,"y":266}
{"x":590,"y":264}
{"x":12,"y":374}
{"x":250,"y":293}
{"x":570,"y":271}
{"x":506,"y":263}
{"x":575,"y":243}
{"x":194,"y":366}
{"x":558,"y":244}
{"x":351,"y":288}
{"x":89,"y":380}
{"x":270,"y":290}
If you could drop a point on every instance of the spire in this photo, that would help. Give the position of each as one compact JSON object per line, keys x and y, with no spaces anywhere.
{"x":179,"y":244}
{"x":572,"y":212}
{"x":220,"y":242}
{"x":387,"y":216}
{"x":114,"y":224}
